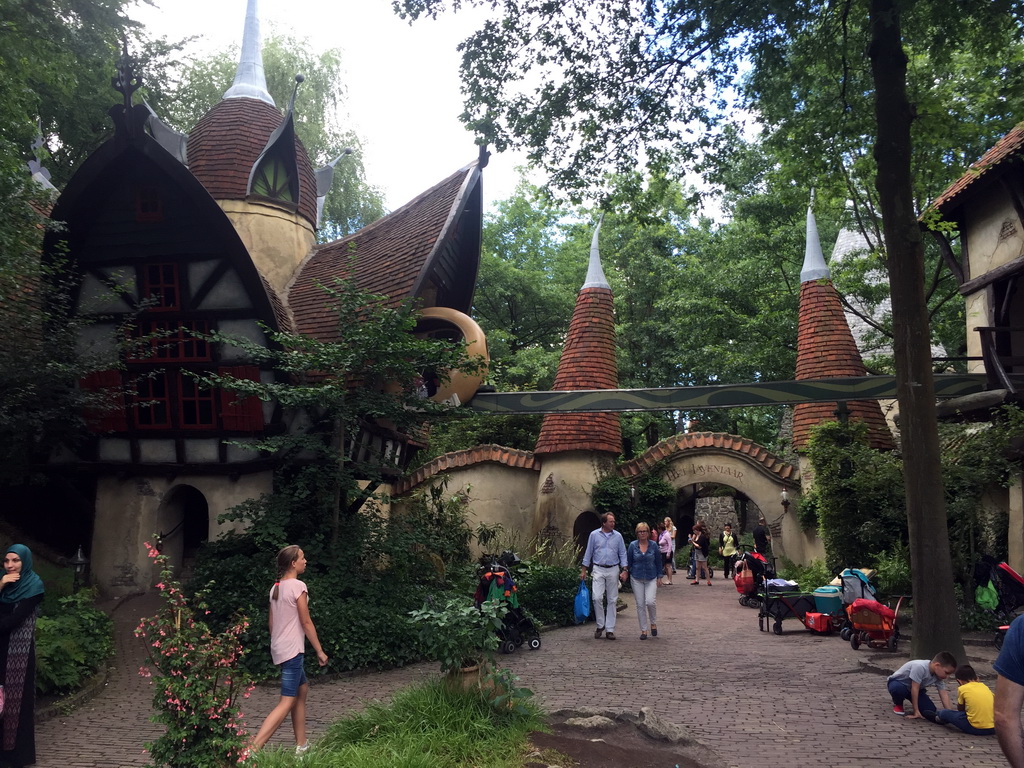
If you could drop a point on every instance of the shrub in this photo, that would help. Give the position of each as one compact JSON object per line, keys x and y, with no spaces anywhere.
{"x":73,"y":642}
{"x":893,"y":570}
{"x":547,"y":593}
{"x":201,"y":681}
{"x":809,"y":577}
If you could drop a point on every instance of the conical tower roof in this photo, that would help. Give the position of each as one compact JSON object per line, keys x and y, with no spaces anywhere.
{"x":588,"y":362}
{"x":826,"y":349}
{"x":226,"y":143}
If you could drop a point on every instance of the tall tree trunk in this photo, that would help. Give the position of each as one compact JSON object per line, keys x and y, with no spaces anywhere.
{"x":936,"y":625}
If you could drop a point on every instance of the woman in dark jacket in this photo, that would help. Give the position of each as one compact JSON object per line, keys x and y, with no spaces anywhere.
{"x":21,"y":591}
{"x":701,"y":545}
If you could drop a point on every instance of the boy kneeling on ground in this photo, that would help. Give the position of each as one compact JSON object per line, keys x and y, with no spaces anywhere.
{"x":975,"y":710}
{"x":912,"y":679}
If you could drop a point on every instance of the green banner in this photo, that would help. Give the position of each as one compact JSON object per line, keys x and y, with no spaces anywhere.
{"x":718,"y":396}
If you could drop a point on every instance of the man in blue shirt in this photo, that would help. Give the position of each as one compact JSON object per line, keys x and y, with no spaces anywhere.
{"x":605,"y":556}
{"x":1010,"y":694}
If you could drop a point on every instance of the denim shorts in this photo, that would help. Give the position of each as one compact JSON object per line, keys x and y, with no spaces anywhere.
{"x":293,"y":676}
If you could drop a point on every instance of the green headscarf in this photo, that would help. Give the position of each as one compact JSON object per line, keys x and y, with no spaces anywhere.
{"x":29,"y":585}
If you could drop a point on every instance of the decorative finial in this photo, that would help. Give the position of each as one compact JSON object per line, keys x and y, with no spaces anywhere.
{"x":299,"y":79}
{"x":595,"y":273}
{"x":250,"y":80}
{"x":814,"y":267}
{"x":126,"y":82}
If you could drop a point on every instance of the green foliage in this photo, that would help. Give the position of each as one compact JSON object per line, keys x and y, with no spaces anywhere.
{"x":892,"y":570}
{"x":458,"y":634}
{"x":200,"y":681}
{"x":859,"y":494}
{"x":547,"y":592}
{"x":73,"y":642}
{"x":647,"y":500}
{"x":811,"y":576}
{"x":430,"y":725}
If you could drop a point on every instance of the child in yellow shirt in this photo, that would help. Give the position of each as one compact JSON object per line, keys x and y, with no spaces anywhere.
{"x":975,"y":705}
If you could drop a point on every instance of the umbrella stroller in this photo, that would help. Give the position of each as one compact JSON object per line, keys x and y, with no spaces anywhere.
{"x":496,"y":583}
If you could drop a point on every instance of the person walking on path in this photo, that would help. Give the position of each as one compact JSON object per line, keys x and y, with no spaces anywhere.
{"x":671,"y":528}
{"x":643,"y":564}
{"x":290,"y":627}
{"x":665,"y":547}
{"x":762,"y":536}
{"x":701,"y":545}
{"x":605,"y":556}
{"x":727,"y":548}
{"x":21,"y":592}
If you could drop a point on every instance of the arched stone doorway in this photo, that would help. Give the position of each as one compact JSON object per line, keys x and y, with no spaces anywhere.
{"x":582,"y":527}
{"x":183,"y":523}
{"x":696,"y":461}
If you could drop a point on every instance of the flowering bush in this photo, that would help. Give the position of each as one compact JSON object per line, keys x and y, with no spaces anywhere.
{"x":198,"y":680}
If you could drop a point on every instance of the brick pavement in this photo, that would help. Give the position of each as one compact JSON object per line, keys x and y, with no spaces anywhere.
{"x":754,"y":698}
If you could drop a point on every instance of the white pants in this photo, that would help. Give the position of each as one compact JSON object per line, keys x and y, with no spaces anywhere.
{"x":605,"y":584}
{"x":645,"y":593}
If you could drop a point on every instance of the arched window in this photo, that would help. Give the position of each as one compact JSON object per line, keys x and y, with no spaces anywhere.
{"x":275,"y":179}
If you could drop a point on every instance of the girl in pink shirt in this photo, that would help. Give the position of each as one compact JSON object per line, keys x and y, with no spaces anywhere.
{"x":290,"y":625}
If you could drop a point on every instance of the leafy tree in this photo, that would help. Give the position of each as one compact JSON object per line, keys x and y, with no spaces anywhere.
{"x":352,"y":202}
{"x":620,"y":80}
{"x":369,"y":372}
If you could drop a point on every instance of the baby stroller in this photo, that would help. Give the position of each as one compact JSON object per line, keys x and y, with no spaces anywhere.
{"x":874,"y":624}
{"x":496,"y":583}
{"x":854,"y":585}
{"x":749,"y":574}
{"x":1008,"y":586}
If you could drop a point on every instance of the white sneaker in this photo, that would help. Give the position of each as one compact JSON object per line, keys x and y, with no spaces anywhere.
{"x":302,"y":748}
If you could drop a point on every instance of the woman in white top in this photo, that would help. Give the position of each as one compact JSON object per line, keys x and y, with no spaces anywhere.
{"x":290,"y":625}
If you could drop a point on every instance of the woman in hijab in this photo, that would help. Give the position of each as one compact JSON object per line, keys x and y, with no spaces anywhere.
{"x":21,"y":591}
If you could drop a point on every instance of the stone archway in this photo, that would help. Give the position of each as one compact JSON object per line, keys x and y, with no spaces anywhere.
{"x":581,"y":528}
{"x":183,"y":524}
{"x":698,"y":458}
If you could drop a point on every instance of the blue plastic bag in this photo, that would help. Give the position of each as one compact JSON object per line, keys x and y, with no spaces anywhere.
{"x":581,"y":608}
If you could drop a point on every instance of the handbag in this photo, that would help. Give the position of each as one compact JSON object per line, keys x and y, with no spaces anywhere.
{"x":581,"y":606}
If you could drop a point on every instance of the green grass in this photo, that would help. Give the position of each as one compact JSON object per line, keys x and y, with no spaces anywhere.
{"x":427,"y":726}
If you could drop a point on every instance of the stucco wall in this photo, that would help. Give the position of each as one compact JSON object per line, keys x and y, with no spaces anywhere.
{"x":763,"y":488}
{"x":994,"y":232}
{"x":128,"y":513}
{"x":276,"y":239}
{"x":562,"y":491}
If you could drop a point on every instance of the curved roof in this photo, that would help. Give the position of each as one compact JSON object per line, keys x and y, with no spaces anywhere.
{"x":433,"y":241}
{"x":1007,"y":149}
{"x":227,"y":141}
{"x":717,"y":442}
{"x":481,"y":454}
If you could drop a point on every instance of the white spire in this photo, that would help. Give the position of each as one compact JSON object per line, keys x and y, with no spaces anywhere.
{"x":595,"y":274}
{"x":250,"y":82}
{"x":814,"y":267}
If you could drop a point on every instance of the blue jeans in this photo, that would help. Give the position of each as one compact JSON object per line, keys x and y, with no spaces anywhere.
{"x":959,"y":719}
{"x":293,"y":675}
{"x":900,"y":692}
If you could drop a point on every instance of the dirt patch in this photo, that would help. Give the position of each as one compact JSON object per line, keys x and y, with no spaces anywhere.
{"x":621,"y":745}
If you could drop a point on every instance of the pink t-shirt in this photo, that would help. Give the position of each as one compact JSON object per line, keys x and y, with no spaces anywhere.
{"x":665,"y":542}
{"x":287,"y":640}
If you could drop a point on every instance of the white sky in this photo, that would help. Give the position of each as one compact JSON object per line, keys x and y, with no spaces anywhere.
{"x":402,"y":80}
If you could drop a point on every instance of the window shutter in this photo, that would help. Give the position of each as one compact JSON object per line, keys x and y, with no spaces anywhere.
{"x":108,"y":415}
{"x":240,"y":414}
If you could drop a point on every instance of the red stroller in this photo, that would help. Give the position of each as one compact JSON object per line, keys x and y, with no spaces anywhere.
{"x":874,"y":624}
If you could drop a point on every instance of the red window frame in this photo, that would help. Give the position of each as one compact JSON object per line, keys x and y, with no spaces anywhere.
{"x":149,"y":203}
{"x":196,"y":404}
{"x":172,"y":340}
{"x":161,"y":282}
{"x":152,"y":406}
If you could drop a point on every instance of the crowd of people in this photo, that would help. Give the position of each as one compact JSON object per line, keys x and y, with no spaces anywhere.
{"x":649,"y":562}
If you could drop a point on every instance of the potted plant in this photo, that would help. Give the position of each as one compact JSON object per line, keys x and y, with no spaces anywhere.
{"x":459,"y":635}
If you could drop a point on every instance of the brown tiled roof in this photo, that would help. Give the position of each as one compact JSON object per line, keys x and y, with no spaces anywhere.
{"x":387,"y":257}
{"x":481,"y":454}
{"x":281,"y":314}
{"x":227,"y":140}
{"x":826,"y":349}
{"x":588,"y":362}
{"x":1006,"y":149}
{"x":715,"y":442}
